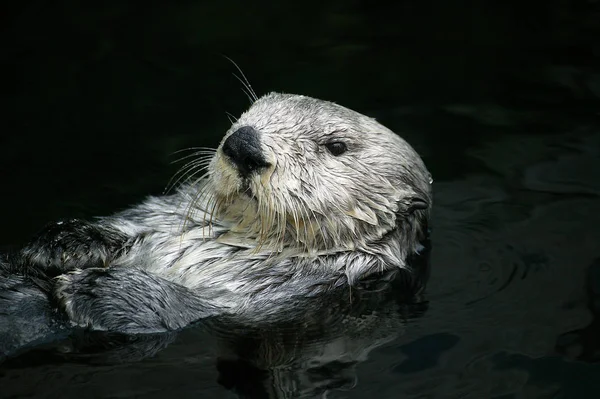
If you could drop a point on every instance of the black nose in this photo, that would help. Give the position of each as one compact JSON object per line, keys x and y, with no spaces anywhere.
{"x":243,"y":149}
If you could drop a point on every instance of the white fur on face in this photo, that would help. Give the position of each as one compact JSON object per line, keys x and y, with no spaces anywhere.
{"x":309,"y":198}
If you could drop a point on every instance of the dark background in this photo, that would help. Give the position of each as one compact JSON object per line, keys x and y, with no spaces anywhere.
{"x":98,"y":95}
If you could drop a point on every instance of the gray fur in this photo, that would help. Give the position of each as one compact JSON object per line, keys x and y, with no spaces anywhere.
{"x":308,"y":224}
{"x":131,"y":300}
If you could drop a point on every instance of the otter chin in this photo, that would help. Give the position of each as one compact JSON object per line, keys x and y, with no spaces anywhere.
{"x":301,"y":197}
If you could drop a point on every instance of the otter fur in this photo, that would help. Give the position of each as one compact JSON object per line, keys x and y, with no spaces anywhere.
{"x":301,"y":197}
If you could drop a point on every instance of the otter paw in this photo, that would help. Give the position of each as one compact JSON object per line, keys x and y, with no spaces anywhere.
{"x":65,"y":246}
{"x":100,"y":299}
{"x":128,"y":300}
{"x":80,"y":297}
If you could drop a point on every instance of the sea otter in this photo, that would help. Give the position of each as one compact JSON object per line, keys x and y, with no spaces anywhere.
{"x":301,"y":197}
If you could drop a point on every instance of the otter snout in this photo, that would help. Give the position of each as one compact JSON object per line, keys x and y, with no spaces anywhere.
{"x":243,"y":149}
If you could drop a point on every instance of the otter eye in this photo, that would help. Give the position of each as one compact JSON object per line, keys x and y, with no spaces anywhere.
{"x":336,"y":148}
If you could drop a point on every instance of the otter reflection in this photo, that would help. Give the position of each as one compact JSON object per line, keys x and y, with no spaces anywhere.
{"x":305,"y":352}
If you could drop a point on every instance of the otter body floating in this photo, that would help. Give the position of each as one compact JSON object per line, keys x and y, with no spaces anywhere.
{"x":301,"y":197}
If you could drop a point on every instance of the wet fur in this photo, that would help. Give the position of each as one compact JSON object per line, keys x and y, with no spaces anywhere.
{"x":252,"y":248}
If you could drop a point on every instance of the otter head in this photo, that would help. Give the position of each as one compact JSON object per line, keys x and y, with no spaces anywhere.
{"x":294,"y":172}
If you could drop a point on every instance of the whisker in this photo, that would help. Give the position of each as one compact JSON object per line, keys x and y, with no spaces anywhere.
{"x":204,"y":155}
{"x":247,"y":94}
{"x":190,"y":202}
{"x":246,"y":87}
{"x":193,"y":149}
{"x":191,"y":164}
{"x":204,"y":224}
{"x":231,"y":117}
{"x":183,"y":179}
{"x":194,"y":201}
{"x":250,"y":92}
{"x":272,"y":213}
{"x":212,"y":212}
{"x":271,"y":226}
{"x":262,"y":209}
{"x":283,"y":222}
{"x":181,"y":173}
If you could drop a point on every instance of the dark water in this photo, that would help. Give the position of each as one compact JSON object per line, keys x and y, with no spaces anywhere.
{"x":500,"y":98}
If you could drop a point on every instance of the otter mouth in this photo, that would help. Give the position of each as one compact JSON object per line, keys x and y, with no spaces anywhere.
{"x":246,"y":190}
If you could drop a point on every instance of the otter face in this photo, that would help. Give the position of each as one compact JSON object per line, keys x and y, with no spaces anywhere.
{"x":294,"y":171}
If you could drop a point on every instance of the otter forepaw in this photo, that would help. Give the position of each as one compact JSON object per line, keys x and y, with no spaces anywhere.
{"x":127,"y":300}
{"x":67,"y":245}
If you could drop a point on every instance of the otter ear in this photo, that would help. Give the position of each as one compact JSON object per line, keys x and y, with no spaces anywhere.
{"x":365,"y":214}
{"x":408,"y":205}
{"x":417,"y":203}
